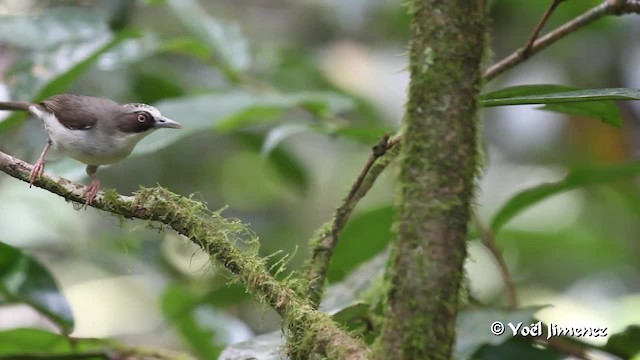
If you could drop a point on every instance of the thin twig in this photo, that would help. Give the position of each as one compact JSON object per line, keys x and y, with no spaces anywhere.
{"x":541,"y":23}
{"x":489,"y":242}
{"x":192,"y":219}
{"x":595,"y":13}
{"x":324,"y":242}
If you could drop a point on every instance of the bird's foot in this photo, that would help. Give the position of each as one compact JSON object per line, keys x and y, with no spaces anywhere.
{"x":36,"y":171}
{"x":91,"y":191}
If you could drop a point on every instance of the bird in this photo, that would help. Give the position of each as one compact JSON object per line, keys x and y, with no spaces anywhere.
{"x":95,"y":131}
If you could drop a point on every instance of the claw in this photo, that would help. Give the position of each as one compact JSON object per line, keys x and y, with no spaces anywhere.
{"x":38,"y":167}
{"x":36,"y":171}
{"x":91,"y":191}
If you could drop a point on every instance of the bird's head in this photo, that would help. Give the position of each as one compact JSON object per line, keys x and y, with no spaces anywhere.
{"x":143,"y":118}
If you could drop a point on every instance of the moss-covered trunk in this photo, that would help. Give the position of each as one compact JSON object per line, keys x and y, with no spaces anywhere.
{"x":436,"y":183}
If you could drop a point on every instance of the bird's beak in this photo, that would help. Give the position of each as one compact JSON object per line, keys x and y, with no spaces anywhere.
{"x":163,"y":122}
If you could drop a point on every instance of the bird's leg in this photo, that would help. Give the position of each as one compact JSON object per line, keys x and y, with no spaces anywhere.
{"x":92,"y":190}
{"x":38,"y":167}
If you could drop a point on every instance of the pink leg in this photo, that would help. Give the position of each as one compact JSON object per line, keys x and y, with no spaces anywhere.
{"x":38,"y":167}
{"x":92,"y":190}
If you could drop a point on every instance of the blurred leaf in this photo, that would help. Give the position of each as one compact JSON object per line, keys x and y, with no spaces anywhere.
{"x":474,"y":328}
{"x":364,"y":236}
{"x":586,"y":245}
{"x":606,"y":111}
{"x":187,"y":46}
{"x":548,"y":94}
{"x":65,"y":44}
{"x":225,"y":296}
{"x":264,"y":347}
{"x":225,"y":40}
{"x":267,"y":106}
{"x":323,"y":104}
{"x":625,"y":344}
{"x":356,"y":286}
{"x":56,"y":27}
{"x":225,"y":112}
{"x":576,"y":178}
{"x":23,"y":279}
{"x":278,"y":134}
{"x":151,"y":88}
{"x":516,"y":348}
{"x":131,"y":51}
{"x":366,"y":134}
{"x":284,"y":161}
{"x":82,"y":60}
{"x":32,"y":341}
{"x":353,"y":312}
{"x":177,"y":306}
{"x":588,"y":102}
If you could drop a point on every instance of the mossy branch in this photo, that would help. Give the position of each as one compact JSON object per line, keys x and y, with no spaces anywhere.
{"x":305,"y":327}
{"x":438,"y":165}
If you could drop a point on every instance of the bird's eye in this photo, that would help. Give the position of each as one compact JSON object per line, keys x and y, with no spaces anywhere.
{"x":142,"y":118}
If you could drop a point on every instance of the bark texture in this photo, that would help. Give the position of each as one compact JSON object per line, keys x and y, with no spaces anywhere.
{"x":436,"y":182}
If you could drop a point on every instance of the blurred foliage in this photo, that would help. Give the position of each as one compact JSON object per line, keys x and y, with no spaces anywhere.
{"x":269,"y":132}
{"x":24,"y":280}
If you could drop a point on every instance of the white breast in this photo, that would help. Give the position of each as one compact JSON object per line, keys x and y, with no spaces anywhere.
{"x":90,"y":146}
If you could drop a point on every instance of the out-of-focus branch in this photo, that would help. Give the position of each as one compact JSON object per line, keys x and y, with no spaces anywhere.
{"x":216,"y":236}
{"x":608,"y":7}
{"x":489,"y":242}
{"x":325,"y":240}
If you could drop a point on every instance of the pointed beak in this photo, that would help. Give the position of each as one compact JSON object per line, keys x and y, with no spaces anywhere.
{"x":163,"y":122}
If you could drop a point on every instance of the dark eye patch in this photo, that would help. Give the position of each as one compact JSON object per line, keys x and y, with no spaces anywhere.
{"x":136,"y":122}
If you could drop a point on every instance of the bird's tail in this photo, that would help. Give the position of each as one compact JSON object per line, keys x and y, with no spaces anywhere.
{"x":15,"y":105}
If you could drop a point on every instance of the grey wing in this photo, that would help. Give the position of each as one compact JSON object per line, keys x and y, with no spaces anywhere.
{"x":74,"y":112}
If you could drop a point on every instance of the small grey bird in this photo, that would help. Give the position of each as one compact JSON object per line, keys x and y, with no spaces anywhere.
{"x":94,"y":131}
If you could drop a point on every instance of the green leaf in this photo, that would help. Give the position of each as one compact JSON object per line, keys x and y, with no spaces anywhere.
{"x":474,"y":328}
{"x":290,"y":168}
{"x":625,"y":344}
{"x":264,"y":347}
{"x":276,"y":135}
{"x":357,"y":286}
{"x":549,"y":94}
{"x":187,"y":46}
{"x":223,"y":39}
{"x":226,"y":112}
{"x":56,"y":27}
{"x":33,"y":341}
{"x":67,"y":73}
{"x":569,"y":100}
{"x":517,"y":348}
{"x":64,"y":43}
{"x":606,"y":111}
{"x":178,"y":308}
{"x":576,"y":178}
{"x":364,"y":236}
{"x":351,"y":313}
{"x":23,"y":279}
{"x":131,"y":51}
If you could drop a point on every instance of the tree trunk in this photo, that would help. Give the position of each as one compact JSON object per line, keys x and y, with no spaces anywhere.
{"x":436,"y":182}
